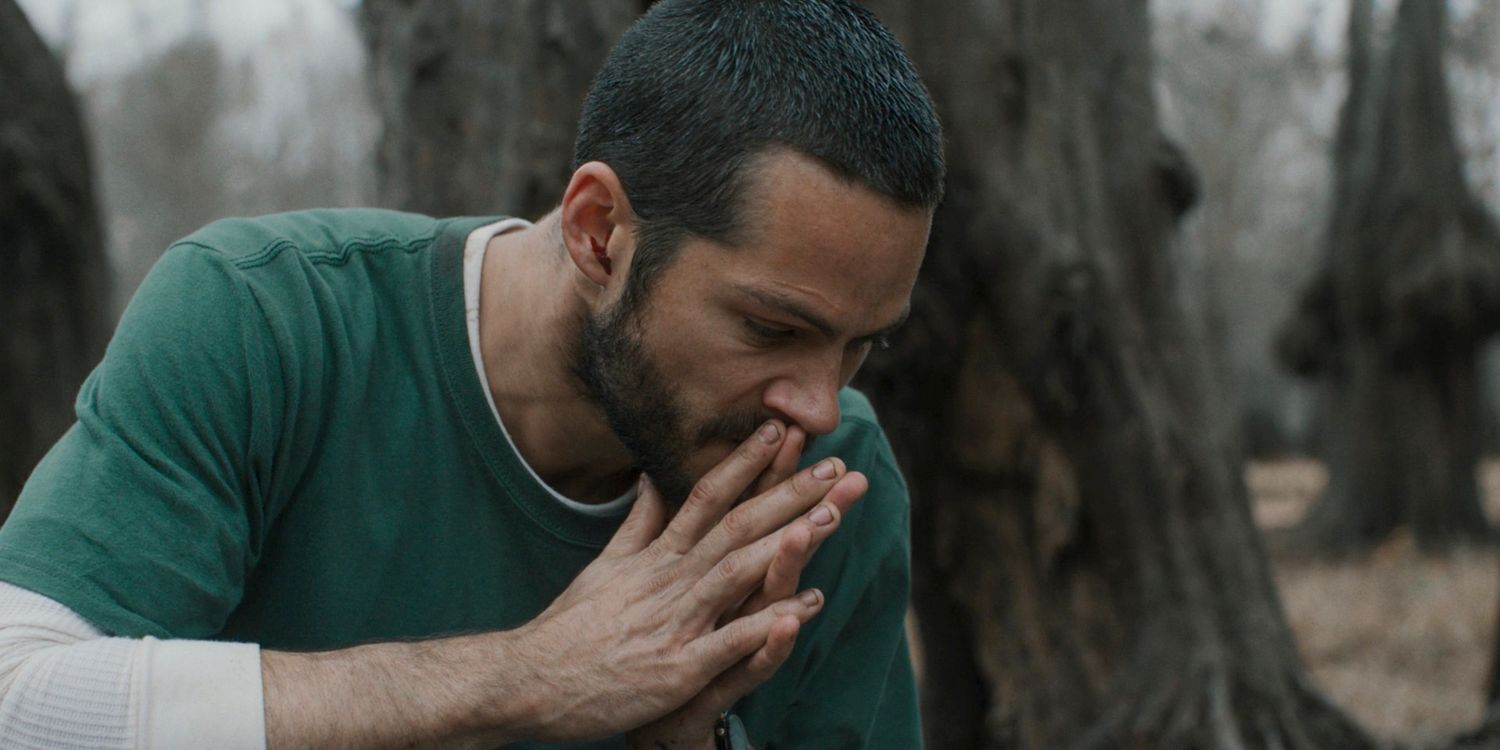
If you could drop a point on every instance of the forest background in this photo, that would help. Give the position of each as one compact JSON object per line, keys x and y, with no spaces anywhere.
{"x":1154,"y":506}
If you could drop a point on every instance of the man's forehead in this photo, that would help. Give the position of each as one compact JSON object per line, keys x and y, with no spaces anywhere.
{"x":776,"y":178}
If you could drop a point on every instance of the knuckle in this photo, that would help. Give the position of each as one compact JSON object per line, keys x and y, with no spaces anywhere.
{"x":796,"y":539}
{"x":759,"y":669}
{"x":651,"y":552}
{"x":729,"y":569}
{"x":742,"y":637}
{"x":705,"y":492}
{"x":660,"y":582}
{"x":737,"y":526}
{"x":735,"y":637}
{"x":804,"y":484}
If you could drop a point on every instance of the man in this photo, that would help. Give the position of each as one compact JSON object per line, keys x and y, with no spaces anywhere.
{"x":357,"y":479}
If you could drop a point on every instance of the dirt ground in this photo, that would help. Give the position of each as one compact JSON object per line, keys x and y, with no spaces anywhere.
{"x":1400,"y":640}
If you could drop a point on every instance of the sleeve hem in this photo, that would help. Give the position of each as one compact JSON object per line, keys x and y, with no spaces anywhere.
{"x":203,"y":694}
{"x":22,"y":570}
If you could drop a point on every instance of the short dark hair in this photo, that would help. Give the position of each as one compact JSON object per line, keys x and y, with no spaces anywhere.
{"x":696,"y":88}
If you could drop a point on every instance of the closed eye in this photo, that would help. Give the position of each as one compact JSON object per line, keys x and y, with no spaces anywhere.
{"x":765,"y":335}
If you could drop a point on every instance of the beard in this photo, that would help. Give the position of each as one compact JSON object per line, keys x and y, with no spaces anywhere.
{"x":620,"y":376}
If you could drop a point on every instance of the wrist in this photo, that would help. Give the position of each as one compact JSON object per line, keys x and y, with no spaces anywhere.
{"x":510,"y":708}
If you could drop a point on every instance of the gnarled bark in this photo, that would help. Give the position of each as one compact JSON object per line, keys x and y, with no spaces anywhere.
{"x":53,"y":274}
{"x":479,"y":101}
{"x":1086,"y":565}
{"x":1411,"y":289}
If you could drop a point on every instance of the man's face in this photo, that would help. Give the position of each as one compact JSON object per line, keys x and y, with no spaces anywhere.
{"x":774,"y":327}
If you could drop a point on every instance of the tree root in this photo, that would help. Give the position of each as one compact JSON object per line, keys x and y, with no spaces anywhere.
{"x":1208,"y":709}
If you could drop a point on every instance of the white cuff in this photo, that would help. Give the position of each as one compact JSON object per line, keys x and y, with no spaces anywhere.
{"x":202,"y":694}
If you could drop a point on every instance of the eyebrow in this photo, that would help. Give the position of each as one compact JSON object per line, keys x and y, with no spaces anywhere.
{"x":796,"y":309}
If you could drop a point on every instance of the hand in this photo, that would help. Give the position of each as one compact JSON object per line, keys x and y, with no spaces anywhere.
{"x":638,"y":633}
{"x":691,"y":726}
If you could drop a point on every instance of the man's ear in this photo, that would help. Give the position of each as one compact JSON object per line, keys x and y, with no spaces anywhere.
{"x":597,"y":223}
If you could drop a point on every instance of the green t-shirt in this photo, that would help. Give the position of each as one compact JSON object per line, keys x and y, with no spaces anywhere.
{"x":287,"y":443}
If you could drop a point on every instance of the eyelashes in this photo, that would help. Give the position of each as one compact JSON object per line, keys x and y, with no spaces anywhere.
{"x":766,"y":335}
{"x":763,"y":334}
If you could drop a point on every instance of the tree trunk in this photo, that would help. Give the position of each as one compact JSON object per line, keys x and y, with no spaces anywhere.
{"x":1087,"y":574}
{"x":1410,"y":292}
{"x":480,"y":100}
{"x":53,"y":273}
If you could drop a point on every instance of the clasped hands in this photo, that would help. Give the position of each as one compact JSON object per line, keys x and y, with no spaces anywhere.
{"x":677,"y":619}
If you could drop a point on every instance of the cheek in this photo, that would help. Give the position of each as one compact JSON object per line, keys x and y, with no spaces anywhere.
{"x":722,"y":384}
{"x":711,"y":371}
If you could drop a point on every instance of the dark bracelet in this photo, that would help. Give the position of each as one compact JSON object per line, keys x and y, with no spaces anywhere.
{"x":721,"y":733}
{"x":729,"y":733}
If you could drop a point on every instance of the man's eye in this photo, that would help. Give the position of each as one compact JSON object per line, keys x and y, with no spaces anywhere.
{"x":766,"y":334}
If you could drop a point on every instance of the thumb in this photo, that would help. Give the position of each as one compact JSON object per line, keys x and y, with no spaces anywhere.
{"x":648,"y":516}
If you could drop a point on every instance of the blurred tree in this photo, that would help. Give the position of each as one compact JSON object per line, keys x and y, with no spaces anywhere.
{"x":1250,"y":115}
{"x":161,"y":171}
{"x":479,"y":101}
{"x":53,"y":274}
{"x":1087,"y":574}
{"x":1394,"y":322}
{"x":210,"y":109}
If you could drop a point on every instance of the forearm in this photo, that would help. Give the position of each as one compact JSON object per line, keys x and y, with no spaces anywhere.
{"x":463,"y":691}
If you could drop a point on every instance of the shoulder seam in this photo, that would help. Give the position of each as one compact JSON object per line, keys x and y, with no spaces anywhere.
{"x":336,"y":257}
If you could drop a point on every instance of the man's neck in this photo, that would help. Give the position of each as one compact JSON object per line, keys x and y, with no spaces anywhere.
{"x":529,"y":317}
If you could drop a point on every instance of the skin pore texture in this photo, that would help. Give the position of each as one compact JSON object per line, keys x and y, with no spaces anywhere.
{"x":694,"y":602}
{"x":727,"y":337}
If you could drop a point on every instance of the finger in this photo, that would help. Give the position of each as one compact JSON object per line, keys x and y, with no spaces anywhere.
{"x":644,"y":524}
{"x":716,"y":492}
{"x":785,"y":463}
{"x":716,"y":652}
{"x":763,"y":514}
{"x":728,"y":688}
{"x":847,"y":492}
{"x":728,"y":587}
{"x":786,"y":569}
{"x":796,"y":548}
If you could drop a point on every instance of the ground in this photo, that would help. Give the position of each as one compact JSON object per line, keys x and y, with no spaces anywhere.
{"x":1402,"y":641}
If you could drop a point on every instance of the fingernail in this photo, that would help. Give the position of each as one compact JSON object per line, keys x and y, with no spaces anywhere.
{"x":769,"y":433}
{"x":642,"y":484}
{"x":810,"y":597}
{"x":825,"y":469}
{"x":821,"y":515}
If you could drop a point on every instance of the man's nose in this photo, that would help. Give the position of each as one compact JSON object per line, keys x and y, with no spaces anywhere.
{"x":811,"y":402}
